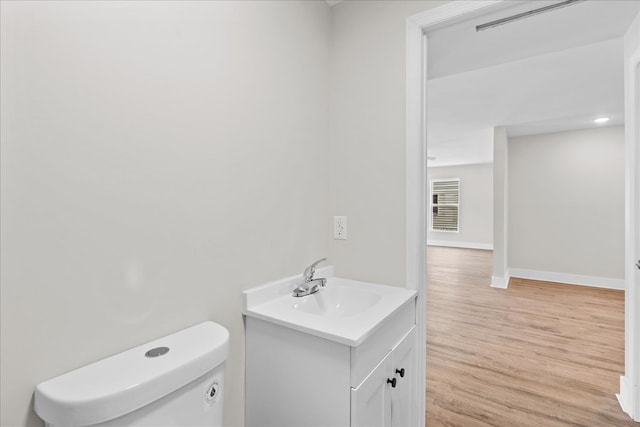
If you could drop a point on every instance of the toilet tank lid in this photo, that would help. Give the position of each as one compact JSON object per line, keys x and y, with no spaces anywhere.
{"x":127,"y":381}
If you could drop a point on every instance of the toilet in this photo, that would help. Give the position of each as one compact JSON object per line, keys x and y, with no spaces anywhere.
{"x":177,"y":380}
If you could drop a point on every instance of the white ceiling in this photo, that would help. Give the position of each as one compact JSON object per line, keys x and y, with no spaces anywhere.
{"x":458,"y":48}
{"x":546,"y":73}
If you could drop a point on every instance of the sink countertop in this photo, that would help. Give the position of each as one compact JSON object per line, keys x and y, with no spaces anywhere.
{"x":274,"y":303}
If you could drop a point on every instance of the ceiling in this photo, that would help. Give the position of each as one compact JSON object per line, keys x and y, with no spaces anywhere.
{"x":551,"y":72}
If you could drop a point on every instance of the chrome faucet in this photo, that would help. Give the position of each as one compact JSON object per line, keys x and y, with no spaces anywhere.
{"x":310,"y":285}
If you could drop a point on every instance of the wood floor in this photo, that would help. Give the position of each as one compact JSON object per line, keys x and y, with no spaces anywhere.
{"x":537,"y":354}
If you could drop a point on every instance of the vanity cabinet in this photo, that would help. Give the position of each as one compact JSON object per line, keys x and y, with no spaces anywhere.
{"x":296,"y":379}
{"x":385,"y":397}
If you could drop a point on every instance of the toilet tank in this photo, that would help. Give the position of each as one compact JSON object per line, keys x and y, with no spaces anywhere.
{"x":177,"y":380}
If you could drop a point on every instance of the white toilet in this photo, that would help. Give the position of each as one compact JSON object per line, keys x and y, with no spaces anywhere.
{"x":177,"y":380}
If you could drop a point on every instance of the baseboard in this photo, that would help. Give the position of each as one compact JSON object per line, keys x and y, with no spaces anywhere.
{"x":570,"y":279}
{"x":500,"y":282}
{"x":624,"y":396}
{"x":465,"y":245}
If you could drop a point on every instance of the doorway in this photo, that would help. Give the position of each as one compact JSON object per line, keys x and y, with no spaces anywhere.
{"x":417,"y":129}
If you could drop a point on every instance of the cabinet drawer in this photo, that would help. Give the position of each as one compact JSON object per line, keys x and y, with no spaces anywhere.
{"x":368,"y":355}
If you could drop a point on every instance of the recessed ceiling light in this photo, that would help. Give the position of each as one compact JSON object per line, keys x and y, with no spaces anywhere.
{"x":601,"y":120}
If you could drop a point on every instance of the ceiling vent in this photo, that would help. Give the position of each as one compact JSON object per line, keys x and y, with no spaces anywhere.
{"x":527,"y":14}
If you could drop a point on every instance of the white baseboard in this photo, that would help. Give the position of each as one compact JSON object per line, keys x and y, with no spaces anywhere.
{"x":466,"y":245}
{"x":500,"y":282}
{"x":570,"y":279}
{"x":624,"y":396}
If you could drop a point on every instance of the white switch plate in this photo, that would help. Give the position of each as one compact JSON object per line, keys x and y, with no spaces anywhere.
{"x":340,"y":227}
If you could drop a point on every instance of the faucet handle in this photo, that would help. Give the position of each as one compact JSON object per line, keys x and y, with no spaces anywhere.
{"x":309,"y":271}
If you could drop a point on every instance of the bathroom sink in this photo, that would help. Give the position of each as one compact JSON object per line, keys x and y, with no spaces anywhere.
{"x":337,"y":301}
{"x":346,"y":311}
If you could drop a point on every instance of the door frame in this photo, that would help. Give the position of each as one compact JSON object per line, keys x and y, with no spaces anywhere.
{"x":416,"y":185}
{"x":629,"y":396}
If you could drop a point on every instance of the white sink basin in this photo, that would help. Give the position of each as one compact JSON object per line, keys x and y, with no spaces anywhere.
{"x":345,"y":311}
{"x":337,"y":301}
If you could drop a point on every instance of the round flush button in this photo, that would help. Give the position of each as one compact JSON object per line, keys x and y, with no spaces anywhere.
{"x":158,"y":351}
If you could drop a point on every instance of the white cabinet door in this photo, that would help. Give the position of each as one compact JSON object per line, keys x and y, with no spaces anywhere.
{"x":403,"y":368}
{"x":371,"y":401}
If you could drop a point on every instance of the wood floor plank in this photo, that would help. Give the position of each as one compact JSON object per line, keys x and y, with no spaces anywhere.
{"x":537,"y":354}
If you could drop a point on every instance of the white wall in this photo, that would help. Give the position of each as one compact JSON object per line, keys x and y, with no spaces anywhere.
{"x":368,"y":136}
{"x":566,"y":202}
{"x":157,"y":159}
{"x":475,"y":222}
